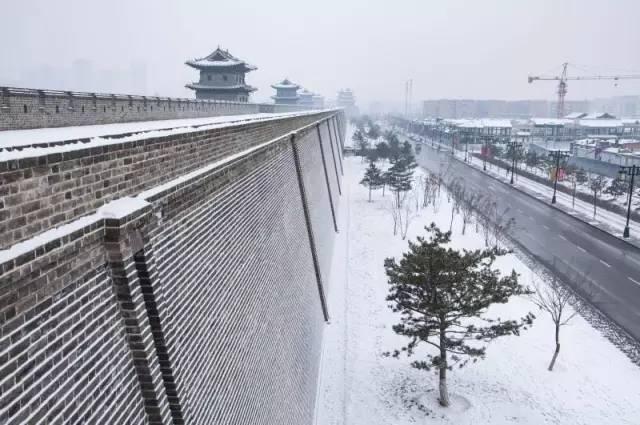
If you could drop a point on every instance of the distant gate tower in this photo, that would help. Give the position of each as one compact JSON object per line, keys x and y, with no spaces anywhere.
{"x":306,"y":98}
{"x":286,"y":93}
{"x":347,"y":101}
{"x":221,"y":77}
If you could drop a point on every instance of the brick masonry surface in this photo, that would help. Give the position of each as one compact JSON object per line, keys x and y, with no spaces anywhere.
{"x":200,"y":302}
{"x":42,"y":192}
{"x":32,"y":108}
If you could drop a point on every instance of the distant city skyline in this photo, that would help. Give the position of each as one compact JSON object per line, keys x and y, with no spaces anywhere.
{"x":453,"y":49}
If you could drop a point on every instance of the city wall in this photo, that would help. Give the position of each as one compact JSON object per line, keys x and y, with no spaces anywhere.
{"x":188,"y":290}
{"x":31,"y":108}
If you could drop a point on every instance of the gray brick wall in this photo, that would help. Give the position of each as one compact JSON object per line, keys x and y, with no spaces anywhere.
{"x":45,"y":191}
{"x":200,"y":304}
{"x":33,"y":108}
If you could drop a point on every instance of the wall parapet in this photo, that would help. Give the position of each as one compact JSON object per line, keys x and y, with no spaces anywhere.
{"x":26,"y":108}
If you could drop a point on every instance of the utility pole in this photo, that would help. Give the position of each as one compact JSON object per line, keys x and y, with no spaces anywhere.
{"x":632,"y":171}
{"x":556,"y":154}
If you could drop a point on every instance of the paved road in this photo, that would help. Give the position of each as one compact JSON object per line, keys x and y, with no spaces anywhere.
{"x":564,"y":244}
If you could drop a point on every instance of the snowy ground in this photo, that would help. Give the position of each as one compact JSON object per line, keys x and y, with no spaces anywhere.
{"x":360,"y":386}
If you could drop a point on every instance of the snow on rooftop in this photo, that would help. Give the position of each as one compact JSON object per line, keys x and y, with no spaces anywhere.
{"x":598,"y":116}
{"x":480,"y":123}
{"x":551,"y":121}
{"x":285,"y":84}
{"x":600,"y":123}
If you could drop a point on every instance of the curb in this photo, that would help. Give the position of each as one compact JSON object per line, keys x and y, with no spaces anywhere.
{"x":629,"y":243}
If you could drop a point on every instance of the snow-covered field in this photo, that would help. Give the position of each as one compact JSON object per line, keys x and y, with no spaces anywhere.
{"x":592,"y":383}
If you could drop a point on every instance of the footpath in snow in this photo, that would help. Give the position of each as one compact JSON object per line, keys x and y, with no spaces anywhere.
{"x":592,"y":383}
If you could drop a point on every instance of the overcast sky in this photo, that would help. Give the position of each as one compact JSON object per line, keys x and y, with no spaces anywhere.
{"x":451,"y":49}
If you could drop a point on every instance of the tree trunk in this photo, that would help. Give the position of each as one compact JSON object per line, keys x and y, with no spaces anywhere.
{"x":555,"y":353}
{"x":453,"y":211}
{"x":595,"y":199}
{"x":369,"y":193}
{"x":464,"y":225}
{"x":383,"y":186}
{"x":444,"y":392}
{"x":573,"y":199}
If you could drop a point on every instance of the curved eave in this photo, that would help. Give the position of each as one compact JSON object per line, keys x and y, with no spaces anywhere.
{"x":283,"y":87}
{"x":230,"y":88}
{"x":286,"y":97}
{"x":201,"y":65}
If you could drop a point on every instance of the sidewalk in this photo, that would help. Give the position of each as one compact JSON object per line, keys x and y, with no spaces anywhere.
{"x":605,"y":220}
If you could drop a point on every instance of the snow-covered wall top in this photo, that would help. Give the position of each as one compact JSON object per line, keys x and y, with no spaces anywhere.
{"x":22,"y":108}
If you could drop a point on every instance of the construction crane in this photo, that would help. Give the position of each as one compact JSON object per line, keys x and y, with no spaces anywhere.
{"x":563,"y":78}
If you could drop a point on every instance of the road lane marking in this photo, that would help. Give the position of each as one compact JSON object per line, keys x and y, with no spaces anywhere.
{"x":633,"y":280}
{"x":546,"y":227}
{"x":563,"y":238}
{"x":604,"y":263}
{"x":581,"y":248}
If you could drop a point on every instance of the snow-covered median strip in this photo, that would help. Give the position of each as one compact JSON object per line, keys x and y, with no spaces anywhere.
{"x":512,"y":385}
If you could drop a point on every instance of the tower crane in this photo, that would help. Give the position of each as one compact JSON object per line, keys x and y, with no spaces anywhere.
{"x":563,"y":78}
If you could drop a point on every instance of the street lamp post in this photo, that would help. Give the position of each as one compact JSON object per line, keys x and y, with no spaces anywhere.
{"x":632,"y":171}
{"x":486,"y":153}
{"x":556,"y":154}
{"x":514,"y":150}
{"x":466,"y":148}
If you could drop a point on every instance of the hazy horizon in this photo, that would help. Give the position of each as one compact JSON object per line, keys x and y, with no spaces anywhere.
{"x":450,"y":50}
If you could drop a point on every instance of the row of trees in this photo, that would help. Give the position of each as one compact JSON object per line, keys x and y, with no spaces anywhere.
{"x":595,"y":183}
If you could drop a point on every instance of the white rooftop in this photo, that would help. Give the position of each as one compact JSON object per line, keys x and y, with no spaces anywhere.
{"x":551,"y":121}
{"x":600,"y":123}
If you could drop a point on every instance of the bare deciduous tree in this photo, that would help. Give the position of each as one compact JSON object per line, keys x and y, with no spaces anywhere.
{"x":501,"y":224}
{"x":470,"y":203}
{"x":555,"y":299}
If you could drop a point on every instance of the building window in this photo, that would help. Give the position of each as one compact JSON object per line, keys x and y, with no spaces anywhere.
{"x":104,"y":109}
{"x":224,"y":77}
{"x":25,"y":108}
{"x":57,"y":109}
{"x":82,"y":109}
{"x":209,"y":77}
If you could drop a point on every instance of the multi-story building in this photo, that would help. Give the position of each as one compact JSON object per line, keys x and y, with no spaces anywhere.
{"x":222,"y":77}
{"x":305,"y":98}
{"x":347,"y":100}
{"x":286,"y":93}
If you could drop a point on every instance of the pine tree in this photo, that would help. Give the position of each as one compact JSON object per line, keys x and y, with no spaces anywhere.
{"x":581,"y":176}
{"x":361,"y":142}
{"x":395,"y":150}
{"x":436,"y":289}
{"x":399,"y":178}
{"x":374,"y":131}
{"x":617,"y":187}
{"x":372,"y":178}
{"x":407,"y":155}
{"x":382,"y":150}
